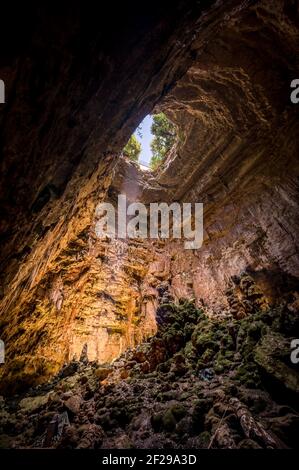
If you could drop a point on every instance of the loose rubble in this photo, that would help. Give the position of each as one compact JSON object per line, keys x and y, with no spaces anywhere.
{"x":198,"y":383}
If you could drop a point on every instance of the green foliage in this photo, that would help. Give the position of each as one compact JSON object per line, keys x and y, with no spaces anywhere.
{"x":164,"y":133}
{"x":132,"y":149}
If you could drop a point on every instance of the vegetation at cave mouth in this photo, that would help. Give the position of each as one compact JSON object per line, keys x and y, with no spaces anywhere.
{"x":165,"y":136}
{"x":133,"y":149}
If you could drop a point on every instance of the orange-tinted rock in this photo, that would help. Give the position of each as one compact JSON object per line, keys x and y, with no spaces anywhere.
{"x":223,"y":78}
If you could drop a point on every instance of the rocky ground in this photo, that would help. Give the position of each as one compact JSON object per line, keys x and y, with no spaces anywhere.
{"x":198,"y":383}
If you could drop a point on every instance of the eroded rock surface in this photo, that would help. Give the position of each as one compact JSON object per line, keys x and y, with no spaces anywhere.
{"x":198,"y":383}
{"x":73,"y":303}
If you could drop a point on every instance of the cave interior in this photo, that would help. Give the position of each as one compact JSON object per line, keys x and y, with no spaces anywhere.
{"x":141,"y":343}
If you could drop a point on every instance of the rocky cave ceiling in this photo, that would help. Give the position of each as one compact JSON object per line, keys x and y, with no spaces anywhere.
{"x":77,"y":87}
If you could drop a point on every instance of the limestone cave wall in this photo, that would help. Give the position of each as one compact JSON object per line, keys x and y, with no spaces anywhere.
{"x":77,"y":87}
{"x":238,"y":154}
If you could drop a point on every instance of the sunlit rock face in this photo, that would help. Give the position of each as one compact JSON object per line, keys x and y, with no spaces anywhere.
{"x":222,"y":76}
{"x":238,"y":154}
{"x":108,"y":316}
{"x":66,"y":120}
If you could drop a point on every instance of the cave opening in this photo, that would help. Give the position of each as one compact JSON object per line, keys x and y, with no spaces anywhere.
{"x":151,"y":142}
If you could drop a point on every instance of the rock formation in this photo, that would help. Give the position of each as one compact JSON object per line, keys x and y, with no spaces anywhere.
{"x":77,"y":86}
{"x":198,"y":383}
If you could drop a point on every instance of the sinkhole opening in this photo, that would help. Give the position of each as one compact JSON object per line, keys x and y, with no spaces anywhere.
{"x":151,"y":142}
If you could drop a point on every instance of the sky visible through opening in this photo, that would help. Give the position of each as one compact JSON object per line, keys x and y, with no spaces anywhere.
{"x":145,"y":139}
